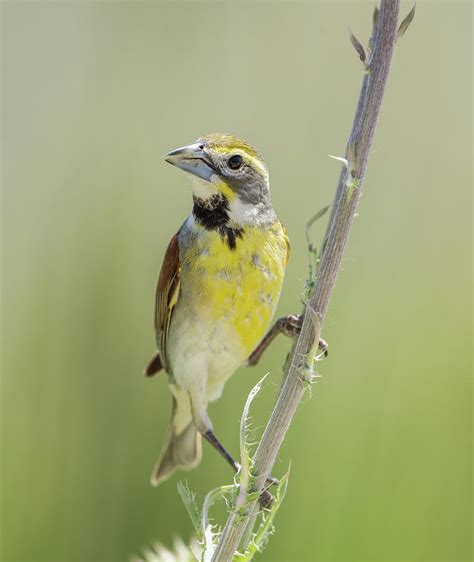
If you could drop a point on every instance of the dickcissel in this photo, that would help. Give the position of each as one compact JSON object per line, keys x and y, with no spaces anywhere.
{"x":217,"y":291}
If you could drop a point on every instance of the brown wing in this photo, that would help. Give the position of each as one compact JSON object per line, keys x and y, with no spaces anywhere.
{"x":167,"y":292}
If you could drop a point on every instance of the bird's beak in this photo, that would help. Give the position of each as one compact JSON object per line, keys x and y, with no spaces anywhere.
{"x":192,"y":159}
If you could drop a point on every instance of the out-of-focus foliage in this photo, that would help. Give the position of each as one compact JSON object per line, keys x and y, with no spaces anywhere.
{"x":93,"y":95}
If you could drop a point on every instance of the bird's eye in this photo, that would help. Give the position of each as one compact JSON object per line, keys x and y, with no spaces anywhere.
{"x":235,"y":162}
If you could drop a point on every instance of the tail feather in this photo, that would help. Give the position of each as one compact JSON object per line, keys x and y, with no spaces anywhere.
{"x":182,"y":449}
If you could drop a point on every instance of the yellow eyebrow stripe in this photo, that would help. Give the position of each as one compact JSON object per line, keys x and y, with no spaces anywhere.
{"x":227,"y":191}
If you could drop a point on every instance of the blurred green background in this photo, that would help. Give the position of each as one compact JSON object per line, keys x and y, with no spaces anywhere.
{"x":93,"y":95}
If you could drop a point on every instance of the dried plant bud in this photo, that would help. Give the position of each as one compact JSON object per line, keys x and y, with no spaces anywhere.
{"x":351,"y":156}
{"x":406,"y":22}
{"x":358,"y":47}
{"x":375,"y":16}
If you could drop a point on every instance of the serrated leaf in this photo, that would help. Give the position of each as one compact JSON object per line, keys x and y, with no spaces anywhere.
{"x":253,"y":496}
{"x":244,"y":452}
{"x":189,"y":500}
{"x":266,"y":528}
{"x":208,"y":537}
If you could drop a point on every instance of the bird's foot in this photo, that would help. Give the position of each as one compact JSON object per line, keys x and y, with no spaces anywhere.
{"x":291,"y":326}
{"x":266,"y":498}
{"x":271,"y":481}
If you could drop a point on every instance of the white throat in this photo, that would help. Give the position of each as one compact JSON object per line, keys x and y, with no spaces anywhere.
{"x":202,"y":189}
{"x":240,"y":212}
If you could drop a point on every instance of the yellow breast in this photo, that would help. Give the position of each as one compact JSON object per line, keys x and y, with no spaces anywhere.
{"x":237,"y":287}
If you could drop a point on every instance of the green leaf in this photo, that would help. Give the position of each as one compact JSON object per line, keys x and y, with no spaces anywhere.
{"x":312,"y":220}
{"x":266,"y":528}
{"x":245,"y":459}
{"x":189,"y":500}
{"x":206,"y":533}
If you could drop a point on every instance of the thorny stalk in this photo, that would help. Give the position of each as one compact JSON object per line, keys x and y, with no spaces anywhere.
{"x":376,"y":62}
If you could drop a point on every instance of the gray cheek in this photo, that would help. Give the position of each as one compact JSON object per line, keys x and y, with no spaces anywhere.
{"x":252,"y":189}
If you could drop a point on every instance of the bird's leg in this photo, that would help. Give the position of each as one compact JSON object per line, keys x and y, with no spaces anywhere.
{"x":290,"y":326}
{"x":204,"y":426}
{"x":266,"y":498}
{"x":210,"y":436}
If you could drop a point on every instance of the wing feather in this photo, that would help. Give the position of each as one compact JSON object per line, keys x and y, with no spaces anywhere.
{"x":167,"y":293}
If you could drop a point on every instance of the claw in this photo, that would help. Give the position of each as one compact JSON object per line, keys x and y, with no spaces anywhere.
{"x":271,"y":481}
{"x":291,"y":325}
{"x":323,"y":346}
{"x":266,"y":499}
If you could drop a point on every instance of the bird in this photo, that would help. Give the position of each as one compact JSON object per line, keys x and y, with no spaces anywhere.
{"x":217,"y":290}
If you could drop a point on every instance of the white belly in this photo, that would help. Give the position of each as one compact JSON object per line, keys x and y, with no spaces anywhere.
{"x":205,"y":350}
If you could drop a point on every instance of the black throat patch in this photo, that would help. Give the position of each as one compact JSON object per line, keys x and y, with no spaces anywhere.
{"x":213,"y":214}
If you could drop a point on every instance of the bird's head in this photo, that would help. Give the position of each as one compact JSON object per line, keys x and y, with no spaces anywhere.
{"x":225,"y":166}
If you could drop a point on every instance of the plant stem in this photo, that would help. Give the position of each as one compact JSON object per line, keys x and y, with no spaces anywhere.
{"x":299,"y":366}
